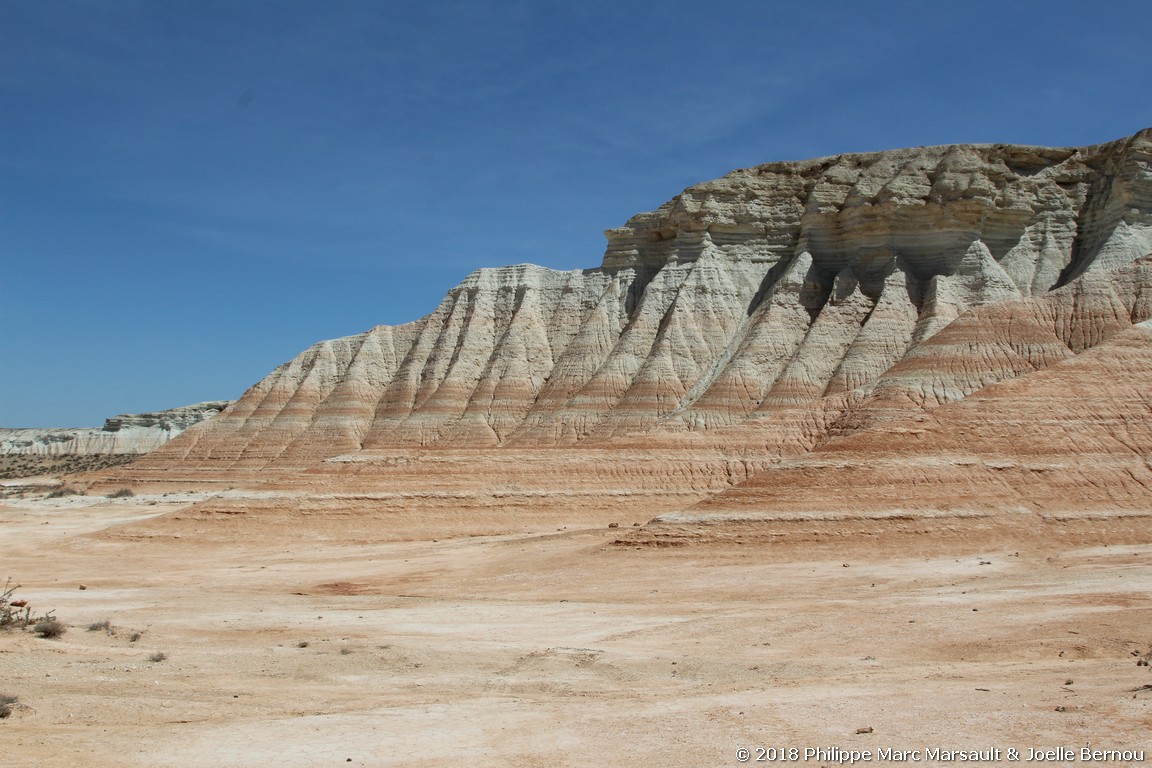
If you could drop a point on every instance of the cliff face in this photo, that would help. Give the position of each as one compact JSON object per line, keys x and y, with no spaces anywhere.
{"x":822,"y":285}
{"x":1066,"y":442}
{"x":129,"y":433}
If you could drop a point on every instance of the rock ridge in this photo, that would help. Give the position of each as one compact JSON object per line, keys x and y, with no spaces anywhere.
{"x":127,"y":433}
{"x":771,"y":289}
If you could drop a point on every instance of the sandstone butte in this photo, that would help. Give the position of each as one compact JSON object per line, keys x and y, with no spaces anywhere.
{"x":952,"y":337}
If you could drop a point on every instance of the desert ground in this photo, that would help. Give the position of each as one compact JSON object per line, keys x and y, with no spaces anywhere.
{"x":553,"y":640}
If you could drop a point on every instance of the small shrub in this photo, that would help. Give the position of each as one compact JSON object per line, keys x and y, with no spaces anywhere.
{"x":17,"y":614}
{"x":135,"y":636}
{"x":157,"y":657}
{"x":104,"y":624}
{"x":345,"y":651}
{"x":302,"y":644}
{"x":65,"y":490}
{"x":49,"y":628}
{"x":122,"y":493}
{"x":13,"y":613}
{"x":6,"y":703}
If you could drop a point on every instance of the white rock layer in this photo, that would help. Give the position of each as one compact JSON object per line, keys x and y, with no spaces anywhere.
{"x":129,"y":433}
{"x":763,"y":291}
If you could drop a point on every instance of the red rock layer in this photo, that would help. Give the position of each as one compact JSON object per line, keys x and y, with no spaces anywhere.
{"x":1064,"y":442}
{"x":790,"y":299}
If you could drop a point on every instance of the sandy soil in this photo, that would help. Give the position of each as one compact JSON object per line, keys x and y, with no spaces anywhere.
{"x":306,"y":641}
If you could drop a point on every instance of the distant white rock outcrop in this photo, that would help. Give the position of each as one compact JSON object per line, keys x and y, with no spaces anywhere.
{"x":129,"y":433}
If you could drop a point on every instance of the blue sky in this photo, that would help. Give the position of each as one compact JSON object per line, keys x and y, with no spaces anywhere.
{"x":192,"y":191}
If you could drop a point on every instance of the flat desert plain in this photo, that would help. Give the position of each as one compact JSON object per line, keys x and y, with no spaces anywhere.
{"x":315,"y":640}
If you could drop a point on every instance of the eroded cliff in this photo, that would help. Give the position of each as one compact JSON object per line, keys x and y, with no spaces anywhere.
{"x":771,"y":288}
{"x":128,"y":433}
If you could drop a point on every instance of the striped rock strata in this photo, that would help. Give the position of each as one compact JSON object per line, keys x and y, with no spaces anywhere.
{"x":1061,"y":434}
{"x":777,"y":305}
{"x":128,"y":433}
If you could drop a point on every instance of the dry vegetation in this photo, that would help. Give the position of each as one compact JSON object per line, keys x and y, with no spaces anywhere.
{"x":25,"y":465}
{"x":49,"y":628}
{"x":17,"y":613}
{"x":7,"y":702}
